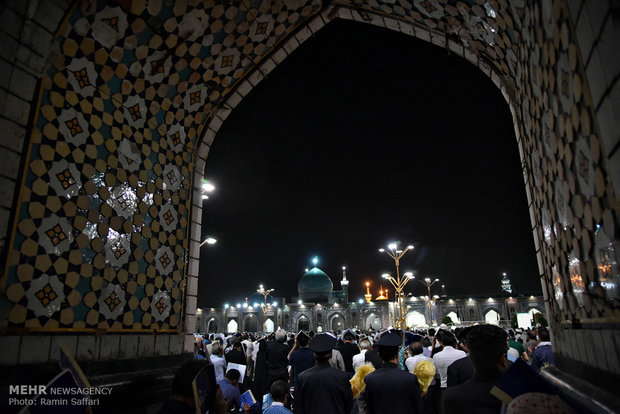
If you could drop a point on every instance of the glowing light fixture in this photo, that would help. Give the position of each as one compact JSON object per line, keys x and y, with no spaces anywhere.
{"x":208,"y":240}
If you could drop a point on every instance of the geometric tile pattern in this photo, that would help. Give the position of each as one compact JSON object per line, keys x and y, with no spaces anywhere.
{"x":103,"y":220}
{"x":102,"y":224}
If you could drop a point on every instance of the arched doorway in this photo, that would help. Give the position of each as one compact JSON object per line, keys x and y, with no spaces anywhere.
{"x":415,"y":318}
{"x":232,"y":326}
{"x":533,"y":315}
{"x":268,"y":325}
{"x":303,"y":323}
{"x":250,"y":323}
{"x":454,"y":317}
{"x":337,"y":322}
{"x":212,"y":326}
{"x":492,"y":317}
{"x":373,"y":322}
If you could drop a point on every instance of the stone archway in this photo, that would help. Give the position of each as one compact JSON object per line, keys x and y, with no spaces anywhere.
{"x":337,"y":322}
{"x":232,"y":326}
{"x":250,"y":323}
{"x":90,"y":109}
{"x":268,"y":325}
{"x":373,"y":321}
{"x":212,"y":326}
{"x":454,"y":317}
{"x":303,"y":323}
{"x":491,"y":316}
{"x":415,"y":318}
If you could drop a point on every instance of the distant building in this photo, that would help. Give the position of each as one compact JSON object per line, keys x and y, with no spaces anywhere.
{"x":319,"y":307}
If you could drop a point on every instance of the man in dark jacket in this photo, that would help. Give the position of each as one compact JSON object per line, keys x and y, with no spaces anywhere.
{"x":462,"y":369}
{"x":323,"y":389}
{"x":277,"y":359}
{"x":236,"y":354}
{"x":543,"y":353}
{"x":389,"y":389}
{"x":488,"y":345}
{"x":348,"y":349}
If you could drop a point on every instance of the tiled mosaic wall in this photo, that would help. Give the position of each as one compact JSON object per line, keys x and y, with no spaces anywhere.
{"x":103,"y":218}
{"x":133,"y":93}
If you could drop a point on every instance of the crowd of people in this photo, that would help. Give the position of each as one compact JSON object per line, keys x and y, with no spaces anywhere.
{"x":430,"y":371}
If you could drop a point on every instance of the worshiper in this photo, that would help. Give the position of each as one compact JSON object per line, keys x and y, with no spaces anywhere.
{"x":416,"y":350}
{"x":248,"y":345}
{"x":358,"y":387}
{"x":181,"y":398}
{"x":323,"y":388}
{"x":337,"y":361}
{"x":428,"y":346}
{"x":487,"y":349}
{"x":348,"y":349}
{"x":300,"y":357}
{"x":230,"y":389}
{"x":276,"y":358}
{"x":260,"y":368}
{"x":543,"y":354}
{"x":279,"y":394}
{"x":516,"y":345}
{"x":447,"y":355}
{"x":218,"y":360}
{"x":436,"y":346}
{"x":236,"y":354}
{"x":530,"y":343}
{"x":389,"y":389}
{"x":359,"y":359}
{"x":462,"y":369}
{"x":372,"y":356}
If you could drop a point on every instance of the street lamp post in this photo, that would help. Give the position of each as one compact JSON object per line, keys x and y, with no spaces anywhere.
{"x":398,"y":282}
{"x":264,"y":306}
{"x":429,"y":299}
{"x":265,"y":292}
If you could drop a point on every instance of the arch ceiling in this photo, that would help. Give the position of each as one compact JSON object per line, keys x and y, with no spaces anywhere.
{"x":107,"y":228}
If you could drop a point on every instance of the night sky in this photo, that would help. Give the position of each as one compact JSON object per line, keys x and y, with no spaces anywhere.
{"x":364,"y":136}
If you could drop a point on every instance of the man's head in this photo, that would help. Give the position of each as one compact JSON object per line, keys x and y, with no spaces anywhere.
{"x":416,"y":348}
{"x":431,"y":332}
{"x":462,"y":338}
{"x":302,"y":339}
{"x":280,"y":335}
{"x":233,"y":376}
{"x":487,"y":349}
{"x":543,"y":334}
{"x":388,"y":346}
{"x":279,"y":391}
{"x":348,"y":336}
{"x":237,"y":346}
{"x":216,"y":348}
{"x":322,"y":345}
{"x":365,"y":344}
{"x":446,"y":338}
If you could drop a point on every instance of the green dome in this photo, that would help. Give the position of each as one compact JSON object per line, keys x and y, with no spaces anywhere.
{"x":315,"y":286}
